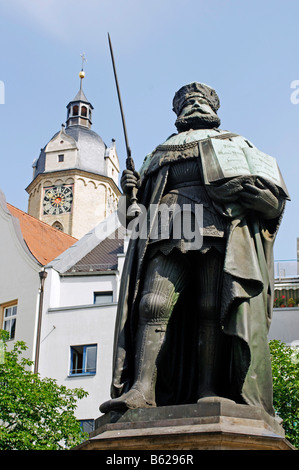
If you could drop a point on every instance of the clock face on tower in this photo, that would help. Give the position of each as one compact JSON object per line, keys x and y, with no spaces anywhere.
{"x":58,"y":200}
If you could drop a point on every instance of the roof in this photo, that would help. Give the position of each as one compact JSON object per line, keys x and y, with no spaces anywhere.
{"x":96,"y":251}
{"x":44,"y":242}
{"x":104,"y":256}
{"x":80,"y":96}
{"x":91,"y":151}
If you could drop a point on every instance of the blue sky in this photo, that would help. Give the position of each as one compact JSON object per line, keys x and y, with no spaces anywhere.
{"x":246,"y":50}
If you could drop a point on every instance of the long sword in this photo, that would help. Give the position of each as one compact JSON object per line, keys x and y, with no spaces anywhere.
{"x":134,"y":209}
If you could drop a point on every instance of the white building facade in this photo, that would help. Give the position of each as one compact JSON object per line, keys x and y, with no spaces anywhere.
{"x":19,"y":282}
{"x":27,"y":244}
{"x":79,"y":310}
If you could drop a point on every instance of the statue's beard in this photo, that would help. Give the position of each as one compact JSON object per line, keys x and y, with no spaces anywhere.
{"x":204,"y":121}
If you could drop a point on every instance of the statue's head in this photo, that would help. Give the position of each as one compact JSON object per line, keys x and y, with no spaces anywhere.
{"x":196,"y":107}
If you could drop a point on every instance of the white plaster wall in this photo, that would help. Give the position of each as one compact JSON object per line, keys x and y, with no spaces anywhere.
{"x":61,"y":144}
{"x":52,"y":163}
{"x":71,"y":319}
{"x":89,"y":206}
{"x":285,"y":325}
{"x":19,"y":280}
{"x":79,"y":326}
{"x":52,"y":289}
{"x":79,"y":290}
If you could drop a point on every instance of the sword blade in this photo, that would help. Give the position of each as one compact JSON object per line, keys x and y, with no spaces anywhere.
{"x":129,"y":163}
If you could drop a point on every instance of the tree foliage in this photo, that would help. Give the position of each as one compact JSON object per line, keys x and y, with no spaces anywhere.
{"x":285,"y":371}
{"x":35,"y":413}
{"x":38,"y":414}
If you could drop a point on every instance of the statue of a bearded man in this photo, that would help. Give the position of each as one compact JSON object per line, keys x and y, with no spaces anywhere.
{"x":195,"y":305}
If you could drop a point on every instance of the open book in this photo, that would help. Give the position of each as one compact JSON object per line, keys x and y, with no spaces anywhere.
{"x":223,"y":159}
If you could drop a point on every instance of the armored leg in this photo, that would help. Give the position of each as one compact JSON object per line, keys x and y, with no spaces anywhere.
{"x":210,"y":268}
{"x":164,"y":281}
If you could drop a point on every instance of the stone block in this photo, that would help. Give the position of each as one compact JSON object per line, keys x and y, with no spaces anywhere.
{"x":210,"y":424}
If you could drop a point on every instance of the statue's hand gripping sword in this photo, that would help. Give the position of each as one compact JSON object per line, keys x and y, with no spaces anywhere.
{"x":134,"y":209}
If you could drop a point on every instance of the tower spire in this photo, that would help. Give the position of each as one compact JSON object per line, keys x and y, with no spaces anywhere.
{"x":79,"y":110}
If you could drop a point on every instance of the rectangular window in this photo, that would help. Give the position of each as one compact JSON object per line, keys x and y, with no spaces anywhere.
{"x":102,"y":297}
{"x":83,"y":359}
{"x":9,"y":319}
{"x":61,"y":158}
{"x":87,"y":425}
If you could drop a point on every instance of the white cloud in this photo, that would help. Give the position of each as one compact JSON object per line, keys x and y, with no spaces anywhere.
{"x":60,"y":19}
{"x":74,"y":21}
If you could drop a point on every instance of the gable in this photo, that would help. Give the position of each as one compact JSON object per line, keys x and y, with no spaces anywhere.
{"x":44,"y":242}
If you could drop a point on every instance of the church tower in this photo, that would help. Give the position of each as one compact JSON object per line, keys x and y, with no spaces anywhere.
{"x":75,"y":177}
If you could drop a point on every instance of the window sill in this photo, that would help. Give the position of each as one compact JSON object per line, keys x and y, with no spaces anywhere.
{"x":84,"y":374}
{"x":80,"y":307}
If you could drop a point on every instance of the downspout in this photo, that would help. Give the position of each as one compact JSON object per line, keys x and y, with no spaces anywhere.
{"x":42,"y":275}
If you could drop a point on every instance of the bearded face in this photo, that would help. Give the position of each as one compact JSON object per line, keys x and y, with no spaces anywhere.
{"x":196,"y":114}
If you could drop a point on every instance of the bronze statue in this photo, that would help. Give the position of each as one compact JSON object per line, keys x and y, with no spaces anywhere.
{"x":193,"y":317}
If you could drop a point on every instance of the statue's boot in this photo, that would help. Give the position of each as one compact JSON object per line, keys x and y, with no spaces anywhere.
{"x":150,"y":337}
{"x":209,"y":359}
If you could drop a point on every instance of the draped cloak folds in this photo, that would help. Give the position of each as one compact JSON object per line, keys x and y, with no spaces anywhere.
{"x":246,"y":300}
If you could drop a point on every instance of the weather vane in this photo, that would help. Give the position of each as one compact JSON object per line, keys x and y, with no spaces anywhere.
{"x":83,"y":59}
{"x":82,"y":73}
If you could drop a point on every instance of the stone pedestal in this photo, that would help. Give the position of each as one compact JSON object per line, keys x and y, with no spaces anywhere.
{"x":211,"y":424}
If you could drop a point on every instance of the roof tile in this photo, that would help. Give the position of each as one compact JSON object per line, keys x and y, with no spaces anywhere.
{"x":104,"y":256}
{"x":44,"y":242}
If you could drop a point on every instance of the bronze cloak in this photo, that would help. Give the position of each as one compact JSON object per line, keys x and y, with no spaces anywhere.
{"x":246,"y":306}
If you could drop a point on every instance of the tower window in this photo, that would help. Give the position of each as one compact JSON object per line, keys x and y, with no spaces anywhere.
{"x":83,"y":111}
{"x":58,"y":226}
{"x":75,"y":110}
{"x":61,"y":158}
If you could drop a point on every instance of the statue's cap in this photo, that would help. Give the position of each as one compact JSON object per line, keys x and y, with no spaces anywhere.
{"x":195,"y":88}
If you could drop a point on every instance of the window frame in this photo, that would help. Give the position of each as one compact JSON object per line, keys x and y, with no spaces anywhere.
{"x":84,"y":354}
{"x":102,"y":293}
{"x":4,"y":307}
